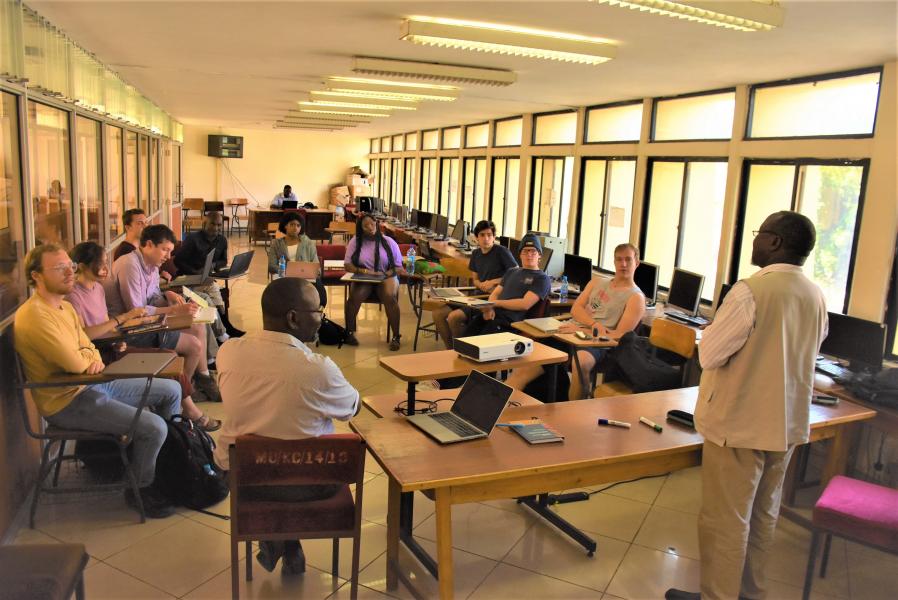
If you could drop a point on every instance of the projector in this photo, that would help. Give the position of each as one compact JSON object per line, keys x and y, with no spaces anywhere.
{"x":495,"y":346}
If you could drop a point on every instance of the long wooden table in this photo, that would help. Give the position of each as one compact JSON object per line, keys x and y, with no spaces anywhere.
{"x":504,"y":465}
{"x":388,"y":405}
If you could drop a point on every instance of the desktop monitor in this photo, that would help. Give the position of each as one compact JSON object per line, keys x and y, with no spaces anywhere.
{"x":578,"y":269}
{"x":646,"y":279}
{"x":860,"y":342}
{"x":440,"y":225}
{"x":504,"y":240}
{"x":460,"y":231}
{"x":513,"y":247}
{"x":414,"y":218}
{"x":365,"y":204}
{"x":425,"y":219}
{"x":378,"y":205}
{"x":685,"y":290}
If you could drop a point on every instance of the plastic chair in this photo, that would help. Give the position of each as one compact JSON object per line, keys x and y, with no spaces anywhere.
{"x":257,"y":461}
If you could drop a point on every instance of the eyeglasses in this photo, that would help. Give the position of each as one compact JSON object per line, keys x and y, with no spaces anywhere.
{"x":319,"y":310}
{"x":757,"y":231}
{"x":63,"y":267}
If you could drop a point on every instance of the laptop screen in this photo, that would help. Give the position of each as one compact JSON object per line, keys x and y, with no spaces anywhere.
{"x":481,"y":400}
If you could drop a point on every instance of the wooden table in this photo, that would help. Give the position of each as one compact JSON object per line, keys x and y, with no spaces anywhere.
{"x":504,"y":465}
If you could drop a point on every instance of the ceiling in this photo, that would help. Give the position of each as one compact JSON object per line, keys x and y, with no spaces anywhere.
{"x":244,"y":64}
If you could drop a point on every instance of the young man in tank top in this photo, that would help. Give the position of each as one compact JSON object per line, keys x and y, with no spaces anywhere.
{"x":612,"y":307}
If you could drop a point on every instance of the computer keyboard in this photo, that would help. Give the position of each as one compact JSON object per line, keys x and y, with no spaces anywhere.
{"x":453,"y":423}
{"x":684,"y":318}
{"x":834,"y":370}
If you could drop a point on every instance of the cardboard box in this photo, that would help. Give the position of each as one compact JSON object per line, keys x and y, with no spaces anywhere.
{"x":360,"y":190}
{"x":352,"y":180}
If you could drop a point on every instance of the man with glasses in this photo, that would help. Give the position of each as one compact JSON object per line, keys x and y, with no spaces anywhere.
{"x":273,"y":385}
{"x":50,"y":339}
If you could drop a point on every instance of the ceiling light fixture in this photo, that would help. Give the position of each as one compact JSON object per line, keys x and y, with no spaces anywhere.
{"x":371,"y":104}
{"x":356,"y":113}
{"x":370,"y":92}
{"x":306,"y":127}
{"x":297,"y":114}
{"x":428,"y":70}
{"x":368,"y":95}
{"x":322,"y":123}
{"x":763,"y":15}
{"x":507,"y":39}
{"x":357,"y":60}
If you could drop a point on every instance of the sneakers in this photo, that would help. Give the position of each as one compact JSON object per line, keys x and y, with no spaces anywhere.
{"x":223,"y":338}
{"x":394,"y":343}
{"x":675,"y":594}
{"x":294,"y":562}
{"x":207,"y":386}
{"x":155,"y":505}
{"x":207,"y":423}
{"x":351,"y":340}
{"x":294,"y":559}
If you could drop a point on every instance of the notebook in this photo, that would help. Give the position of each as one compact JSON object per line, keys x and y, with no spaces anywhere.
{"x":369,"y":278}
{"x":474,"y":414}
{"x":472,"y":302}
{"x":535,"y":432}
{"x":453,"y":292}
{"x":140,"y":364}
{"x":143,"y":324}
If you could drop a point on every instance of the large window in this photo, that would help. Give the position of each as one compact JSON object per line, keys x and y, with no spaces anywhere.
{"x":555,"y":128}
{"x":550,"y":198}
{"x":449,"y":188}
{"x":428,"y":195}
{"x":617,"y":123}
{"x":684,"y":218}
{"x":830,"y":195}
{"x":397,"y":181}
{"x":474,"y":191}
{"x":398,"y":143}
{"x":114,"y":181}
{"x":504,"y":195}
{"x":87,"y":142}
{"x":430,"y":139}
{"x":411,"y":141}
{"x":374,"y":175}
{"x":130,"y":170}
{"x":375,"y":146}
{"x":707,"y":116}
{"x":477,"y":136}
{"x":451,"y":138}
{"x":509,"y":132}
{"x":385,"y":144}
{"x":408,"y":197}
{"x":383,"y":189}
{"x":154,"y":175}
{"x":12,"y":236}
{"x":606,"y":208}
{"x":48,"y":162}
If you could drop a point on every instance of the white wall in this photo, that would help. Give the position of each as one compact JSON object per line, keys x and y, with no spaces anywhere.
{"x":310,"y":161}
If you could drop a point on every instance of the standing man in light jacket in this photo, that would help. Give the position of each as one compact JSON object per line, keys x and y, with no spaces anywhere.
{"x":753,"y":406}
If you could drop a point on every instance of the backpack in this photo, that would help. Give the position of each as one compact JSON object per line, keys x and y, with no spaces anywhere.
{"x":331,"y":334}
{"x":633,"y":361}
{"x":185,"y":471}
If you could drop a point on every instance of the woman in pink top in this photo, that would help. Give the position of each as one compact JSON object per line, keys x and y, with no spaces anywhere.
{"x":89,"y":300}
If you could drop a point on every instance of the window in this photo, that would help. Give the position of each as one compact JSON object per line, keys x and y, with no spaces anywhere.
{"x":131,"y":170}
{"x":374,"y":177}
{"x":48,"y":161}
{"x":143,"y":172}
{"x":408,"y":197}
{"x":477,"y":136}
{"x":621,"y":123}
{"x":449,"y":188}
{"x":829,"y":195}
{"x":684,"y":218}
{"x":555,"y":128}
{"x":606,"y":208}
{"x":375,"y":145}
{"x":397,"y":182}
{"x":385,"y":144}
{"x":154,"y":175}
{"x":550,"y":198}
{"x":430,"y":139}
{"x":504,"y":195}
{"x":451,"y":138}
{"x":12,"y":233}
{"x":398,"y":143}
{"x":509,"y":132}
{"x":87,"y":143}
{"x":474,"y":190}
{"x":707,"y":116}
{"x":815,"y":108}
{"x":383,"y":186}
{"x":114,"y":181}
{"x":428,"y":195}
{"x":165,"y":172}
{"x":177,"y":186}
{"x":411,"y":141}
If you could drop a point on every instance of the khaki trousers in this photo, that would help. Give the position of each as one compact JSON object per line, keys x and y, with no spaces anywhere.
{"x":741,"y":491}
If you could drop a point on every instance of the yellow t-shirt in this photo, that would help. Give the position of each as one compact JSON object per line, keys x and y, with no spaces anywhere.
{"x":52,"y":342}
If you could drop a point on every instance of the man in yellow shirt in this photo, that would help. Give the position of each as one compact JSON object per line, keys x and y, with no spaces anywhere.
{"x":51,"y":341}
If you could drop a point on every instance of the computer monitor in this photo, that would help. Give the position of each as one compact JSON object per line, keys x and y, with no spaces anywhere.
{"x":365,"y":204}
{"x":441,"y":225}
{"x":544,"y":259}
{"x":685,"y":290}
{"x":425,"y":219}
{"x":460,"y":231}
{"x":578,"y":269}
{"x":724,"y":290}
{"x":646,"y":278}
{"x":413,"y":221}
{"x":504,"y":240}
{"x":860,"y":342}
{"x":514,"y":247}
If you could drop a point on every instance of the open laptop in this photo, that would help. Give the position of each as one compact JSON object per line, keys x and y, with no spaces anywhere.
{"x":182,"y":280}
{"x":239,"y":265}
{"x":140,"y":364}
{"x":545,"y":324}
{"x":474,"y":414}
{"x":303,"y":270}
{"x":454,"y":292}
{"x":366,"y":277}
{"x":289,"y":204}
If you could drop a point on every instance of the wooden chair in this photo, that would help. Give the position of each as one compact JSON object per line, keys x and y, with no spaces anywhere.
{"x":236,"y":205}
{"x":666,"y":335}
{"x":457,"y":272}
{"x":257,"y":461}
{"x":188,"y":205}
{"x":344,"y":229}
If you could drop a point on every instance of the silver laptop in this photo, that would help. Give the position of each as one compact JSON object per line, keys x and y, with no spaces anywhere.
{"x":140,"y":364}
{"x":183,"y":280}
{"x":545,"y":324}
{"x":453,"y":292}
{"x":474,"y":414}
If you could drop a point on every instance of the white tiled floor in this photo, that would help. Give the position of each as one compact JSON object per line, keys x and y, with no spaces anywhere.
{"x":646,"y":530}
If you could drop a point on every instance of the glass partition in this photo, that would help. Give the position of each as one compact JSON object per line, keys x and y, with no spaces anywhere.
{"x":12,"y":233}
{"x":48,"y":164}
{"x":87,"y":142}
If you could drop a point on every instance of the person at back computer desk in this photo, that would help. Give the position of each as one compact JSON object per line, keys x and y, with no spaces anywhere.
{"x":287,"y":194}
{"x":372,"y":253}
{"x":610,"y":307}
{"x":489,"y":262}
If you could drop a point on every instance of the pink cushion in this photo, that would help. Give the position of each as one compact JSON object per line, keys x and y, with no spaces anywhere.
{"x":859,"y":510}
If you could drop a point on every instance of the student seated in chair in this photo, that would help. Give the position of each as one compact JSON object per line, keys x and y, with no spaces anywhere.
{"x":370,"y":252}
{"x":274,"y":385}
{"x":489,"y":262}
{"x":609,"y":307}
{"x":295,"y":246}
{"x":279,"y":198}
{"x":520,"y":289}
{"x":51,"y":341}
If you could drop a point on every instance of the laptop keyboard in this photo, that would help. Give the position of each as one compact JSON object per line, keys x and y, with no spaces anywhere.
{"x":834,"y":371}
{"x":454,"y":424}
{"x":684,"y":318}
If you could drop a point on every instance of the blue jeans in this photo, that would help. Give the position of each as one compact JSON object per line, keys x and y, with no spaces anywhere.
{"x":110,"y":407}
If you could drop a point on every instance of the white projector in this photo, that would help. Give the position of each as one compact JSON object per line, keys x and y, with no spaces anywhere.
{"x":495,"y":346}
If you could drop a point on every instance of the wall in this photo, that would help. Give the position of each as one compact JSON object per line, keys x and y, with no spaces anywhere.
{"x":310,"y":161}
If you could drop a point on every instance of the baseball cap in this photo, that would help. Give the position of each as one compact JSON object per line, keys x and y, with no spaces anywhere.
{"x":530,"y":241}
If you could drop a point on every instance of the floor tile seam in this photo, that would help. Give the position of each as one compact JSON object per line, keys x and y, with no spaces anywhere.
{"x":555,"y":577}
{"x":138,"y":541}
{"x":347,"y":583}
{"x":815,"y":589}
{"x":135,"y":577}
{"x":635,"y":543}
{"x":618,"y":567}
{"x":652,"y":503}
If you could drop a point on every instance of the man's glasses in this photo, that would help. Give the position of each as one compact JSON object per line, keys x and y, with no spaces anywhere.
{"x":319,"y":310}
{"x":767,"y":231}
{"x":63,"y":267}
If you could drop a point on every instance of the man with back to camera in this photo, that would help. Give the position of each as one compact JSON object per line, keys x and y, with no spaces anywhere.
{"x":753,"y":406}
{"x":273,"y":385}
{"x":50,"y":339}
{"x":489,"y":262}
{"x":287,"y":194}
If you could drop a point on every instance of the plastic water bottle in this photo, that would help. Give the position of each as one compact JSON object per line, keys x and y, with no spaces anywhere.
{"x":564,"y":288}
{"x":410,"y":257}
{"x":282,"y":267}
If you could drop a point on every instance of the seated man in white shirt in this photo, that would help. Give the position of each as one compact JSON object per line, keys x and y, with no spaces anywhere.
{"x":287,"y":194}
{"x":273,"y":385}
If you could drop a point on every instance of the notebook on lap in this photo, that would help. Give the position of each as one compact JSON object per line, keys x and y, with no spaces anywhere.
{"x":474,"y":414}
{"x":454,"y":292}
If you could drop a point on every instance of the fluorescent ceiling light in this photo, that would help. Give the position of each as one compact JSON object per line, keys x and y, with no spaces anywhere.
{"x":321,"y":123}
{"x":507,"y":39}
{"x":428,"y":70}
{"x":357,"y":113}
{"x":369,"y":91}
{"x":372,"y":104}
{"x":345,"y":118}
{"x":743,"y":15}
{"x":359,"y":60}
{"x":375,"y":95}
{"x":306,"y":127}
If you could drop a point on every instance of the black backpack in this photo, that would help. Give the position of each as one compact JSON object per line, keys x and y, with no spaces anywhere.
{"x":185,"y":470}
{"x":331,"y":334}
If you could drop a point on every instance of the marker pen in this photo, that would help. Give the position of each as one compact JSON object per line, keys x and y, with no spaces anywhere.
{"x":651,"y":424}
{"x":614,"y":423}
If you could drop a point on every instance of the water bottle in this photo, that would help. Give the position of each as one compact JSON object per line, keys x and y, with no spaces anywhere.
{"x":564,"y":288}
{"x":282,"y":267}
{"x":410,"y":257}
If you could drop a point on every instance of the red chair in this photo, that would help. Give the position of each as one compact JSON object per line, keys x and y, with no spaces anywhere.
{"x":256,"y":461}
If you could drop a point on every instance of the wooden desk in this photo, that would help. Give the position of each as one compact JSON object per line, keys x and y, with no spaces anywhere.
{"x":259,"y":218}
{"x":504,"y":465}
{"x":384,"y":405}
{"x":442,"y":249}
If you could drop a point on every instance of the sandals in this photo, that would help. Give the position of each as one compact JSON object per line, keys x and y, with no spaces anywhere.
{"x":394,"y":343}
{"x":207,"y":424}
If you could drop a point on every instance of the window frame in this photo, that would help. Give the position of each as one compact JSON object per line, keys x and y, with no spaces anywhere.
{"x":562,"y":227}
{"x":464,"y":135}
{"x":659,"y":99}
{"x":495,"y":128}
{"x":536,"y":116}
{"x":600,"y":107}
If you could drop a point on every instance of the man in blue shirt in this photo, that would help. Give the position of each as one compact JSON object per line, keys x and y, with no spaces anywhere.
{"x":287,"y":194}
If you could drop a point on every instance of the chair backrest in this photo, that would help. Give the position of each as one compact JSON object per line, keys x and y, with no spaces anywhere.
{"x":23,"y":394}
{"x":238,"y":201}
{"x":457,"y":268}
{"x":192,"y":204}
{"x":331,"y":251}
{"x":342,"y":226}
{"x":673,"y":337}
{"x":334,"y":459}
{"x":213,"y":206}
{"x":538,"y":310}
